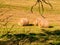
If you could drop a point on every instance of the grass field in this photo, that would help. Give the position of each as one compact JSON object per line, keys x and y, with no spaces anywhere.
{"x":16,"y":9}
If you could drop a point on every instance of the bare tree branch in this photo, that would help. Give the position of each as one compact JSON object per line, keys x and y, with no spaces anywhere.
{"x":42,"y":7}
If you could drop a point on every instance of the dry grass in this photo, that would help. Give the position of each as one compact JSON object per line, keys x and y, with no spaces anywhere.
{"x":20,"y":9}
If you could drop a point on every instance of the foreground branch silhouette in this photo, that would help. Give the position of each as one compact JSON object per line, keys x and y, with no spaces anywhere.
{"x":40,"y":3}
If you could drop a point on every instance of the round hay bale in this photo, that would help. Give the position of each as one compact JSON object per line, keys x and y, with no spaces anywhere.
{"x":23,"y":22}
{"x":41,"y":22}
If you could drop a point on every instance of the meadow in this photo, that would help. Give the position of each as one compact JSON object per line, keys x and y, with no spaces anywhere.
{"x":13,"y":34}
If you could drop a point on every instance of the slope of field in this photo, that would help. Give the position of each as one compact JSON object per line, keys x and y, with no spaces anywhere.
{"x":21,"y":8}
{"x":16,"y":9}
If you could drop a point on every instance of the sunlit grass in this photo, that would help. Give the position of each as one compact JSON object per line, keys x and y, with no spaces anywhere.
{"x":55,"y":9}
{"x":31,"y":29}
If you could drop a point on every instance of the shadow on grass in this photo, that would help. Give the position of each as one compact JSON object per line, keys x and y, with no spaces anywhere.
{"x":21,"y":39}
{"x":55,"y":32}
{"x":29,"y":25}
{"x":50,"y":26}
{"x":33,"y":25}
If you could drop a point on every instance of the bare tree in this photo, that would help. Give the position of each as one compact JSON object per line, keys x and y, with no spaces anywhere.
{"x":40,"y":2}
